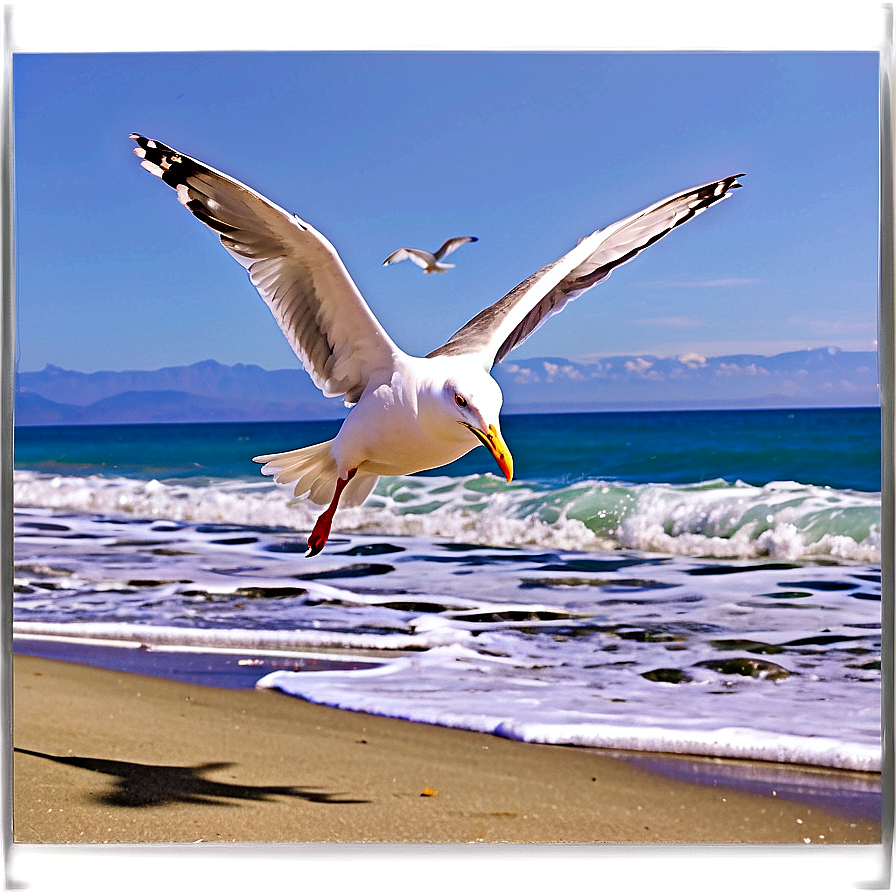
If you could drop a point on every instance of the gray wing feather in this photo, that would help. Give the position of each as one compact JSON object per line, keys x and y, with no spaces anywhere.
{"x":295,"y":269}
{"x":501,"y":327}
{"x":454,"y":243}
{"x":420,"y":257}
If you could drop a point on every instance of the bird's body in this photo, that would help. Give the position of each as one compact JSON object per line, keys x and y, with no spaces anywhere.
{"x":396,"y":428}
{"x":409,"y":414}
{"x":431,"y":262}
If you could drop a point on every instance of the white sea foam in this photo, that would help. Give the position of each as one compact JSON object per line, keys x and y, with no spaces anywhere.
{"x":786,"y":521}
{"x":612,"y":649}
{"x":232,"y":639}
{"x":463,"y":699}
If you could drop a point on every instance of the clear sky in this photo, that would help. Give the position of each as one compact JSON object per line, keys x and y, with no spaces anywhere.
{"x":527,"y":151}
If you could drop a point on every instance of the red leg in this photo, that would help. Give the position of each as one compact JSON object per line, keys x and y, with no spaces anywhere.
{"x":321,"y":531}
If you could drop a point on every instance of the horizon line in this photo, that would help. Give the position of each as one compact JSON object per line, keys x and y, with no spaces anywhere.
{"x":581,"y":359}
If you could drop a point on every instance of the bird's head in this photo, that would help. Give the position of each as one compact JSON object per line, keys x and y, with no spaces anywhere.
{"x":473,"y":400}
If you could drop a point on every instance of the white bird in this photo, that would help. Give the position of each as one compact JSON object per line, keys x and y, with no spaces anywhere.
{"x":408,"y":413}
{"x":431,"y":262}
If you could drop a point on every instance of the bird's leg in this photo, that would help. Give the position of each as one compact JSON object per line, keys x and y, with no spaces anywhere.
{"x":321,"y":531}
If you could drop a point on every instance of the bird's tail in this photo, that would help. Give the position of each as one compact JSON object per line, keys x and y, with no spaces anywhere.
{"x":314,"y":472}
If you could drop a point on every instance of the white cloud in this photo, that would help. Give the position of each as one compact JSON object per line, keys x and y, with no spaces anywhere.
{"x":692,"y":360}
{"x":522,"y":375}
{"x":642,"y":368}
{"x":740,"y":370}
{"x":567,"y":371}
{"x":639,"y":365}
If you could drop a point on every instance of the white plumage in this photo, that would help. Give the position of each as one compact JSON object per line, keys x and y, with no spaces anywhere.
{"x":409,"y":413}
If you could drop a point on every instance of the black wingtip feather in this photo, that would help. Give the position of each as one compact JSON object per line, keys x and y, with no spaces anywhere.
{"x":174,"y":168}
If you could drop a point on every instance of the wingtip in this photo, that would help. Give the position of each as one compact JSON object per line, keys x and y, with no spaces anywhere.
{"x":724,"y":186}
{"x":143,"y":145}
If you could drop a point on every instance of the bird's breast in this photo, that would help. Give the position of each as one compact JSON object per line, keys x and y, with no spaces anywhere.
{"x":390,"y":437}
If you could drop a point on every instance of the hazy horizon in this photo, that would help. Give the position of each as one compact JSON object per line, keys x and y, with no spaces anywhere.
{"x":211,"y":391}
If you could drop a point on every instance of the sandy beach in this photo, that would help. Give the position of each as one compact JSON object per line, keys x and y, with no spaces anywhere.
{"x":104,"y":757}
{"x":110,"y":757}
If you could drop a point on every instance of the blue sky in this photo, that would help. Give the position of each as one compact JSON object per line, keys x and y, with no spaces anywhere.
{"x":527,"y":151}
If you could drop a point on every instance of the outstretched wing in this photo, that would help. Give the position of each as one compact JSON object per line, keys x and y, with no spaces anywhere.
{"x":418,"y":256}
{"x":295,"y":269}
{"x":510,"y":321}
{"x":454,"y":243}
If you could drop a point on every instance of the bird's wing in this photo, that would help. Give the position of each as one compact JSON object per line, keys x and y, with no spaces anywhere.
{"x":295,"y":269}
{"x":420,"y":258}
{"x":454,"y":243}
{"x":503,"y":326}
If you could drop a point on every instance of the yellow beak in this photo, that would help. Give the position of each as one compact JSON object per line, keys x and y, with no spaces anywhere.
{"x":496,"y":445}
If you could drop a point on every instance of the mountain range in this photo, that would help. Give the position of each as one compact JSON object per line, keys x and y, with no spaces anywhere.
{"x":212,"y":392}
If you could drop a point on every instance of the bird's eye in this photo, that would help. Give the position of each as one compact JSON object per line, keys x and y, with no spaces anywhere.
{"x":460,"y":401}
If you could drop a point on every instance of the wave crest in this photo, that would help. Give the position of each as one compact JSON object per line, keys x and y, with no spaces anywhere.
{"x":780,"y":520}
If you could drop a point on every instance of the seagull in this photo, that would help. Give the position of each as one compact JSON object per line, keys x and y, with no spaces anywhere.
{"x":408,"y":413}
{"x":429,"y":261}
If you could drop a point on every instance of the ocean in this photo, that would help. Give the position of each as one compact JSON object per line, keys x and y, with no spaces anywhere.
{"x":697,"y":583}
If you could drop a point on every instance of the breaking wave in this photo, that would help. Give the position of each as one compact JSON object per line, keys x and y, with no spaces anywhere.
{"x":779,"y":520}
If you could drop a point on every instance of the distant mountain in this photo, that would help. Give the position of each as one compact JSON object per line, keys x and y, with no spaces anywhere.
{"x":163,"y":406}
{"x":213,"y":392}
{"x":824,"y":377}
{"x":198,"y":393}
{"x":241,"y":382}
{"x":34,"y":408}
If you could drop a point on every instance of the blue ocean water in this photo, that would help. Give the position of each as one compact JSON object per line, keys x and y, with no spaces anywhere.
{"x":839,"y":447}
{"x":694,"y":582}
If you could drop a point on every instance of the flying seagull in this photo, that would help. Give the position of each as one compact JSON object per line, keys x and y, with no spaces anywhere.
{"x":408,"y":413}
{"x":429,"y":261}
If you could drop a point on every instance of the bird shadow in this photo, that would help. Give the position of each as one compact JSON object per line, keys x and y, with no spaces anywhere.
{"x":138,"y":785}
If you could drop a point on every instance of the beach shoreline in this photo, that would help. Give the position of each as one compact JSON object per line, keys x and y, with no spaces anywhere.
{"x":103,"y":756}
{"x":854,"y":794}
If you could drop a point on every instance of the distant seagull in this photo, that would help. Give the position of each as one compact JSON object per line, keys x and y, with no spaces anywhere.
{"x":431,"y":263}
{"x":409,"y":414}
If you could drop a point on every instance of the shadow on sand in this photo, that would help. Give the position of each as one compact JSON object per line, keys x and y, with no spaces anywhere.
{"x":137,"y":785}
